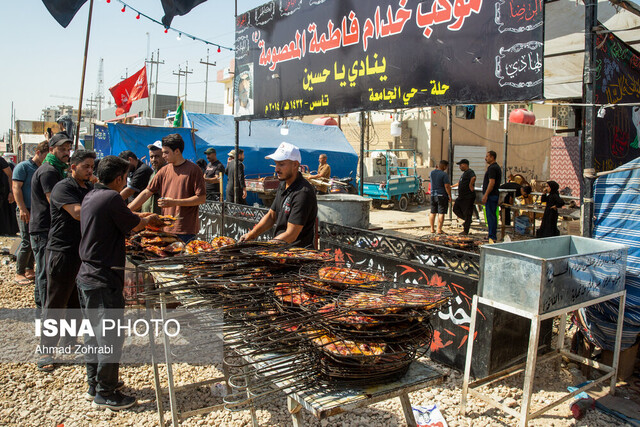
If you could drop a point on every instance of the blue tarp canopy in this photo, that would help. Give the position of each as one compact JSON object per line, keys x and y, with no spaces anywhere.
{"x":257,"y":138}
{"x":617,"y":212}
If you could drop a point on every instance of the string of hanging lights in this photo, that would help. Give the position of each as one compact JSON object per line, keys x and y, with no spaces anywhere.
{"x":180,"y":33}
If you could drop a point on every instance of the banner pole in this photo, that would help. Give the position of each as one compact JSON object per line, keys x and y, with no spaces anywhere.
{"x":505,"y":144}
{"x":236,"y":145}
{"x":588,"y":146}
{"x":84,"y":71}
{"x":361,"y":163}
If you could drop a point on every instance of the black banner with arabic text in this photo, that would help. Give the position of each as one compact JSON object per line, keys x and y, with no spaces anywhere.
{"x":617,"y":81}
{"x":301,"y":57}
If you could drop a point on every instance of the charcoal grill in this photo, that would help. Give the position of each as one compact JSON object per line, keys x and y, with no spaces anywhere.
{"x":276,"y":319}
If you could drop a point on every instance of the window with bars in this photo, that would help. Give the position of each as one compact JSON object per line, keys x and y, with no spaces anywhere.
{"x":564,"y":115}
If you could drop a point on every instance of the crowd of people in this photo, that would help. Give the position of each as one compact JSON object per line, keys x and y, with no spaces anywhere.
{"x":464,"y":205}
{"x":74,"y":212}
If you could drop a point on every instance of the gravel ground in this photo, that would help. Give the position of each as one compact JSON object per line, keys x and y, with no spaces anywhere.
{"x":29,"y":397}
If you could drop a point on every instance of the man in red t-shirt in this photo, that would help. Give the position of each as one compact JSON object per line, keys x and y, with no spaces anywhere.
{"x":181,"y":185}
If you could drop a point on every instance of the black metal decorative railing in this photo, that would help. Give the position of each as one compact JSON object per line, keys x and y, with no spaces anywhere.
{"x":235,"y":220}
{"x":430,"y":255}
{"x":210,"y":220}
{"x":244,"y":212}
{"x":228,"y":219}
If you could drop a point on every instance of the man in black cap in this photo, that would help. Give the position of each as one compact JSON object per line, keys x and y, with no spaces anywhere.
{"x":52,"y":171}
{"x":63,"y":256}
{"x":213,"y":174}
{"x":138,"y":177}
{"x":463,"y":206}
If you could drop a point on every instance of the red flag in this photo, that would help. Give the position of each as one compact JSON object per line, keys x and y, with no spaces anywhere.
{"x":129,"y":90}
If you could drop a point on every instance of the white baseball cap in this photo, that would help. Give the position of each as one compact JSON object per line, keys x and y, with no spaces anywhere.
{"x":286,"y":151}
{"x":155,"y":145}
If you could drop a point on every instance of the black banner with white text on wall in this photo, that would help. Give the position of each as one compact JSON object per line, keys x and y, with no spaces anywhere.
{"x":301,"y":57}
{"x":617,"y":132}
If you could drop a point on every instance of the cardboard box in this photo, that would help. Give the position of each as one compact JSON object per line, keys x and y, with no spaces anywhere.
{"x":570,"y":228}
{"x":627,"y":361}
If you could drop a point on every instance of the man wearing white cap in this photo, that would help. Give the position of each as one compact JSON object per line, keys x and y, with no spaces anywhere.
{"x":157,"y":162}
{"x":295,"y":207}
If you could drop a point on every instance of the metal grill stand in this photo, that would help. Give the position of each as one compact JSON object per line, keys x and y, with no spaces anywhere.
{"x":176,"y":414}
{"x":542,"y":279}
{"x":530,"y":365}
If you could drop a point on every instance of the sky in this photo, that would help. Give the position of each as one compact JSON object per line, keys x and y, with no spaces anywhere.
{"x":42,"y":61}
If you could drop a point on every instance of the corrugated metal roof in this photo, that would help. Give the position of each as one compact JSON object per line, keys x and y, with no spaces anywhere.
{"x":564,"y":41}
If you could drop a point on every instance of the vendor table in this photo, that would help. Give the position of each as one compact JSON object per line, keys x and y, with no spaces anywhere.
{"x":567,"y":214}
{"x":321,"y":401}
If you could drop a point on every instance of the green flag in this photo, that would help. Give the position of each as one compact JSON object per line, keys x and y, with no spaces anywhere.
{"x":179,"y":119}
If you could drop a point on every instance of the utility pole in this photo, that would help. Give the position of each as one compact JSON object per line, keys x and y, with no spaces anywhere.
{"x":186,"y":75}
{"x":126,"y":74}
{"x":155,"y":88}
{"x":100,"y":89}
{"x":92,"y":103}
{"x":157,"y":63}
{"x":180,"y":73}
{"x":149,"y":76}
{"x":206,"y":79}
{"x":11,"y":127}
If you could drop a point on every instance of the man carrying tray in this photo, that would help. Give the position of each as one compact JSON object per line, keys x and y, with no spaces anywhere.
{"x":295,"y":207}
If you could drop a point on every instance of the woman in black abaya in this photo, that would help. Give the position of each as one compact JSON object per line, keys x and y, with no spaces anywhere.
{"x":551,"y":196}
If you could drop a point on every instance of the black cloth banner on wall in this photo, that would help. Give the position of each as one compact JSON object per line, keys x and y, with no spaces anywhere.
{"x":302,"y":57}
{"x":617,"y":81}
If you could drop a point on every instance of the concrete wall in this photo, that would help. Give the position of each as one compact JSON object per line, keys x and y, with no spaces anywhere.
{"x":528,"y":146}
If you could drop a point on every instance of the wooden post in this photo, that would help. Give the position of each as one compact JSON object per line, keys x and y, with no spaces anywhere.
{"x":84,"y":71}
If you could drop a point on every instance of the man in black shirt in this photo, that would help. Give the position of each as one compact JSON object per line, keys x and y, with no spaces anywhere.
{"x":138,"y":178}
{"x":213,"y":175}
{"x":295,"y":207}
{"x":52,"y":170}
{"x":63,"y":258}
{"x":104,"y":222}
{"x":463,"y":206}
{"x":490,"y":186}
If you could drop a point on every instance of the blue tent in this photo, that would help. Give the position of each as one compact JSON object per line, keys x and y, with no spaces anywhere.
{"x":617,"y":220}
{"x":257,"y":138}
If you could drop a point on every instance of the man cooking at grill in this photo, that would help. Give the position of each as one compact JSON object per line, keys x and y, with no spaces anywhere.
{"x":295,"y":208}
